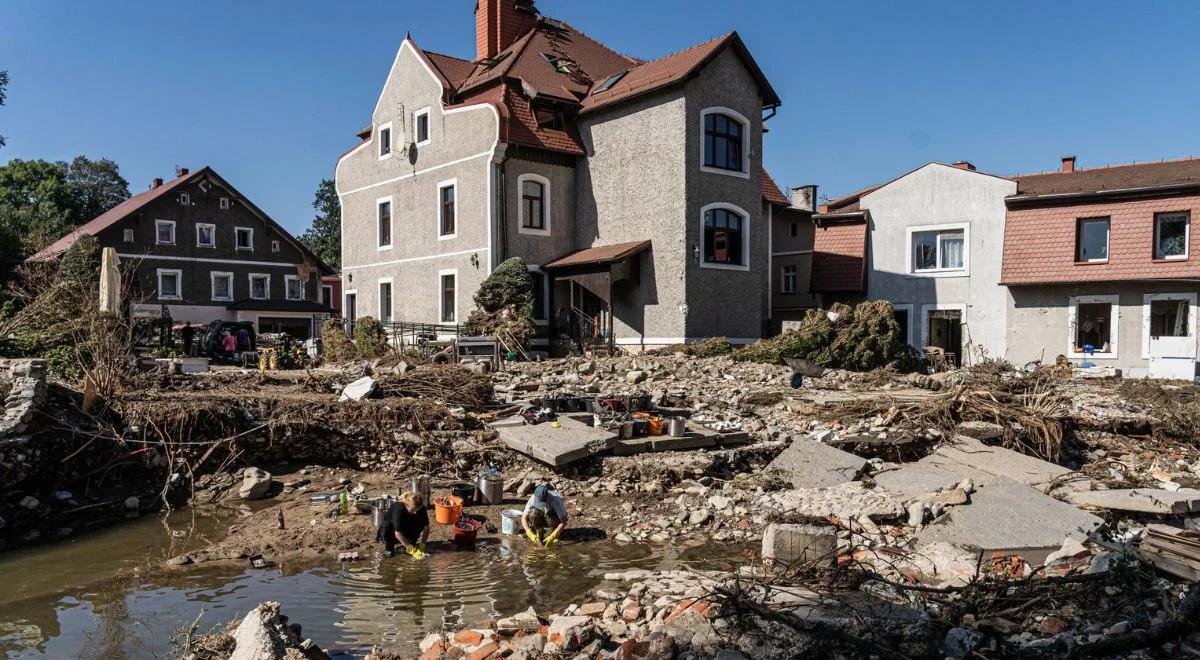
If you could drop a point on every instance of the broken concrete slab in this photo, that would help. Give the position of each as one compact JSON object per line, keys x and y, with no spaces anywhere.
{"x":792,"y":544}
{"x":571,"y":440}
{"x":915,"y":479}
{"x":1012,"y":518}
{"x":1143,"y":500}
{"x":963,"y":451}
{"x":811,"y":464}
{"x":844,"y":501}
{"x":359,"y":389}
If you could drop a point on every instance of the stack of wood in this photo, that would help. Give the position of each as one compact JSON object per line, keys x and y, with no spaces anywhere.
{"x":1172,"y":550}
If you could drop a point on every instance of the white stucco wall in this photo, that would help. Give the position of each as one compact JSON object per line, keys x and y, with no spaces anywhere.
{"x":932,"y":196}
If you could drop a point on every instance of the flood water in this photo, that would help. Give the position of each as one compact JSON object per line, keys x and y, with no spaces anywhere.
{"x":95,"y":597}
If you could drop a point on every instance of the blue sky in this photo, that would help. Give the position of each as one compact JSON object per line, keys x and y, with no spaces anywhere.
{"x":271,"y":92}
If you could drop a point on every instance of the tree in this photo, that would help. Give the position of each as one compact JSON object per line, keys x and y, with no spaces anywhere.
{"x":96,"y":186}
{"x":324,"y":237}
{"x":504,"y":304}
{"x":3,"y":90}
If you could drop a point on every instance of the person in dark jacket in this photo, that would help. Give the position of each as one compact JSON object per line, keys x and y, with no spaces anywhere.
{"x":406,"y":523}
{"x":188,"y":334}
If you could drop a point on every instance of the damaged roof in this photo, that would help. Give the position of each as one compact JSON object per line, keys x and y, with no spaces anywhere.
{"x":1114,"y":178}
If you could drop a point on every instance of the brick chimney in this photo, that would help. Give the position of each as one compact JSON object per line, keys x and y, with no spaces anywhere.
{"x":499,"y":23}
{"x":181,"y":171}
{"x":155,"y":182}
{"x":1068,"y":164}
{"x":964,"y":165}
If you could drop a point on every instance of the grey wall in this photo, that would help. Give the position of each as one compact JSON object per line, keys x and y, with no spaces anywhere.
{"x":933,"y":195}
{"x":462,"y":148}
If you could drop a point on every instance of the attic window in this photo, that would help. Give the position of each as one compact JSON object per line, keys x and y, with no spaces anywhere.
{"x":548,"y":117}
{"x":608,"y":84}
{"x":560,"y":64}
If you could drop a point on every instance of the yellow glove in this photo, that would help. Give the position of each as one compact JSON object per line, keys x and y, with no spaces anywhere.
{"x":552,"y":537}
{"x":533,"y":536}
{"x":418,"y":553}
{"x":410,"y":550}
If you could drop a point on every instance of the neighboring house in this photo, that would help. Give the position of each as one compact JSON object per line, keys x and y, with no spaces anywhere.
{"x":839,"y":263}
{"x":1102,"y":266}
{"x":331,"y":292}
{"x":205,"y":252}
{"x":634,"y":190}
{"x":792,"y":236}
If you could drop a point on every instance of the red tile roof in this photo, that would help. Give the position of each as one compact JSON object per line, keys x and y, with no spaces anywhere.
{"x":839,"y":256}
{"x":112,"y":216}
{"x":1111,"y":178}
{"x":599,"y":255}
{"x":771,"y":191}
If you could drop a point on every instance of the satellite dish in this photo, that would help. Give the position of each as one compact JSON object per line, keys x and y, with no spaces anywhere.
{"x":411,"y":150}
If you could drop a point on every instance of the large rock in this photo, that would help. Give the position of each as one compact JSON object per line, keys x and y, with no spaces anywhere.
{"x":526,"y":621}
{"x":255,"y":484}
{"x":264,"y":634}
{"x":359,"y":389}
{"x":786,"y":544}
{"x":811,"y":464}
{"x":568,"y":633}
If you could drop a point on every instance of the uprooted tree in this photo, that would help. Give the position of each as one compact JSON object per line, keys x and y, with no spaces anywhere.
{"x":859,"y":338}
{"x":504,"y":305}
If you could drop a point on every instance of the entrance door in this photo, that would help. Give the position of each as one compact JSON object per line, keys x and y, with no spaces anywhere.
{"x":351,"y":311}
{"x":945,"y":332}
{"x":1169,"y":335}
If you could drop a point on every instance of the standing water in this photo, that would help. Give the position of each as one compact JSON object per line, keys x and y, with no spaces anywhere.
{"x":104,"y":595}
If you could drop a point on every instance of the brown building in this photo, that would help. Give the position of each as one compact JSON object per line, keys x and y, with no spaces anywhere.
{"x":205,"y":252}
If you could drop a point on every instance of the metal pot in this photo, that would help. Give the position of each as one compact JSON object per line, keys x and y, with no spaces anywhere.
{"x":676,"y":427}
{"x":419,"y":485}
{"x":379,"y":511}
{"x":490,"y":488}
{"x":626,"y":430}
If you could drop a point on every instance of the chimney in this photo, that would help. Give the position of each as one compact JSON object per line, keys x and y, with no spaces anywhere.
{"x":964,"y":165}
{"x":155,"y":183}
{"x":1068,"y":164}
{"x":181,"y":171}
{"x":499,"y":23}
{"x":804,"y":198}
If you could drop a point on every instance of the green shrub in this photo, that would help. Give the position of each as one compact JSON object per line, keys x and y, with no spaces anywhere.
{"x":504,"y":304}
{"x":63,"y":361}
{"x":861,"y":339}
{"x":336,"y":345}
{"x":711,"y":347}
{"x":370,"y":340}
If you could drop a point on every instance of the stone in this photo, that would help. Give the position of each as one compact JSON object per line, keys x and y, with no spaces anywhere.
{"x":359,"y":389}
{"x":1119,"y":628}
{"x":468,"y":637}
{"x":526,"y":621}
{"x":594,"y":610}
{"x":729,"y":654}
{"x":980,"y":430}
{"x":30,"y":502}
{"x":264,"y":635}
{"x":1070,"y":548}
{"x":635,"y":377}
{"x":789,"y":544}
{"x":916,"y":514}
{"x":132,"y":503}
{"x":1141,"y":500}
{"x":959,"y":643}
{"x":430,"y":641}
{"x":699,"y":517}
{"x":1052,"y":625}
{"x":255,"y":484}
{"x":531,"y":644}
{"x":952,"y":497}
{"x":808,"y":463}
{"x":484,"y":652}
{"x":568,"y":633}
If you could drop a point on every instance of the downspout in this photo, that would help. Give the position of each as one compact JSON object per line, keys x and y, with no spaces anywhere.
{"x":501,"y":201}
{"x":772,"y":110}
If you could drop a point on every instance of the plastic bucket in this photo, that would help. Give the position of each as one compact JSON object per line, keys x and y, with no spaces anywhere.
{"x":510,"y":521}
{"x":463,"y":491}
{"x":447,"y":509}
{"x":465,"y":531}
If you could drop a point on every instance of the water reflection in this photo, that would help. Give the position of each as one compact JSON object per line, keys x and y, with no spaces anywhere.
{"x":94,"y":596}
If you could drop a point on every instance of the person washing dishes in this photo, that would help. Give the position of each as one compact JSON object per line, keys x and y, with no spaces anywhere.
{"x":545,"y":515}
{"x":407,"y":523}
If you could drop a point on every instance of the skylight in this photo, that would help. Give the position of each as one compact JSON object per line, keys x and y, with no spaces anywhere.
{"x":608,"y":84}
{"x":560,"y":64}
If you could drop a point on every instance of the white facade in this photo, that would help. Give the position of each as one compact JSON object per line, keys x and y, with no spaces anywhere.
{"x":935,"y":242}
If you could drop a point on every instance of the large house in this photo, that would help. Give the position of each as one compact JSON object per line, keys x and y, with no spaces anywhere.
{"x":205,"y":252}
{"x":633,"y":190}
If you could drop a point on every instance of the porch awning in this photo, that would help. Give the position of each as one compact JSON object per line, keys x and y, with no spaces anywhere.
{"x":599,"y":256}
{"x":302,"y":306}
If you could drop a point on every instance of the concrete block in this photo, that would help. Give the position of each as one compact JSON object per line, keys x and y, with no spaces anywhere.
{"x":965,"y":452}
{"x":571,"y":441}
{"x":1143,"y":500}
{"x":811,"y":464}
{"x":788,"y":544}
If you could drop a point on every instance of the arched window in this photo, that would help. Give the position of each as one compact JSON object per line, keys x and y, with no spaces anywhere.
{"x":724,"y":142}
{"x":724,"y":237}
{"x":533,"y":199}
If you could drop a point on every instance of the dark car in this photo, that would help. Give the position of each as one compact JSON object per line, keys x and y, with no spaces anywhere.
{"x":211,"y":339}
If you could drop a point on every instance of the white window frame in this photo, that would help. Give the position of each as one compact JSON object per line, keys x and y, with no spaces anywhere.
{"x":178,"y":283}
{"x":237,"y":243}
{"x":1079,"y":222}
{"x":391,"y":141}
{"x":783,"y":288}
{"x":275,"y":246}
{"x":908,"y":328}
{"x":185,"y":199}
{"x":391,"y":221}
{"x":746,"y":125}
{"x":533,"y":268}
{"x":164,"y":223}
{"x":390,"y":281}
{"x":939,"y":307}
{"x":1187,"y":235}
{"x":1149,"y":298}
{"x":346,"y":296}
{"x":267,"y":289}
{"x":287,"y":290}
{"x":1114,"y":324}
{"x":328,"y":287}
{"x":746,"y":222}
{"x":224,"y":204}
{"x":128,"y":235}
{"x":910,"y":266}
{"x":521,"y":228}
{"x":427,"y":113}
{"x":212,"y":228}
{"x":451,"y":183}
{"x":212,"y":282}
{"x":441,"y":297}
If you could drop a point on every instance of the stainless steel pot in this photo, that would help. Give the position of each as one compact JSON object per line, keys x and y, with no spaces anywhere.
{"x":490,"y":489}
{"x":379,"y":511}
{"x":676,"y":427}
{"x":419,"y":486}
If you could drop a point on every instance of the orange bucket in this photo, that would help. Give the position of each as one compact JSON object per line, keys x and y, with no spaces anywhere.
{"x":656,"y":423}
{"x":448,"y":509}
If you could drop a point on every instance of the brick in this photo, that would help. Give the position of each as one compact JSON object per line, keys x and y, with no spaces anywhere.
{"x":483,"y":652}
{"x":434,"y":652}
{"x":468,"y":638}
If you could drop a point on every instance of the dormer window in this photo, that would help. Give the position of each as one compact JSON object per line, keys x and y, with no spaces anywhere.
{"x":549,"y":117}
{"x":725,"y":148}
{"x":384,"y":138}
{"x":561,"y":64}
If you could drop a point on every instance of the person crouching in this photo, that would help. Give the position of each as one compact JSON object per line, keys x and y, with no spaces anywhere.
{"x":545,"y":515}
{"x":407,"y":524}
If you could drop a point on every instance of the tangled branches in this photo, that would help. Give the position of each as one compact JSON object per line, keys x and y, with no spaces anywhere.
{"x":454,"y":385}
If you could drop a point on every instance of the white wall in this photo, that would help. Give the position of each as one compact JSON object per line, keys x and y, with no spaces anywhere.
{"x":939,"y":195}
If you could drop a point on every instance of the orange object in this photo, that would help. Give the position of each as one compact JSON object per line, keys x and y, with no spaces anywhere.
{"x":448,"y":509}
{"x":656,"y":424}
{"x":465,"y":531}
